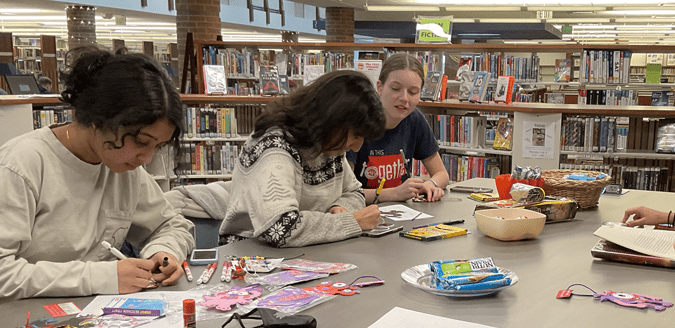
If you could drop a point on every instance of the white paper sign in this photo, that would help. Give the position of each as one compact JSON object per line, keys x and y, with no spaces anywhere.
{"x":371,"y":68}
{"x":538,"y":139}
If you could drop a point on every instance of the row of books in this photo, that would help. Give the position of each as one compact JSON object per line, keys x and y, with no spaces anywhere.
{"x":461,"y":168}
{"x":245,"y":63}
{"x":524,"y":69}
{"x":207,"y":122}
{"x":652,"y":178}
{"x":47,"y":117}
{"x":459,"y":130}
{"x":605,"y":66}
{"x":594,"y":134}
{"x":607,"y":97}
{"x":211,"y":122}
{"x":200,"y":158}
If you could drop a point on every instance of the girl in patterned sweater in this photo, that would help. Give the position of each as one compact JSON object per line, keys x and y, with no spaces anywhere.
{"x":292,"y":185}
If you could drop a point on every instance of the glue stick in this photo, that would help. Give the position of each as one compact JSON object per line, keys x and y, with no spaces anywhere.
{"x":189,"y":319}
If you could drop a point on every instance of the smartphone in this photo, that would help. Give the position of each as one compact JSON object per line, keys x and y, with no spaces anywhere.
{"x":382,"y":230}
{"x":469,"y":189}
{"x":204,"y":256}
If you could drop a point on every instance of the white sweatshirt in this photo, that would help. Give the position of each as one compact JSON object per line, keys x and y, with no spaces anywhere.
{"x":56,"y":209}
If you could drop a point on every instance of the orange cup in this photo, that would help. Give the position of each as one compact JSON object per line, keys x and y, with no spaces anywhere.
{"x":504,"y":183}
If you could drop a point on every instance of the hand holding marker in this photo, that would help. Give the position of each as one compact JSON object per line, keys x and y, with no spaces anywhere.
{"x":379,"y":190}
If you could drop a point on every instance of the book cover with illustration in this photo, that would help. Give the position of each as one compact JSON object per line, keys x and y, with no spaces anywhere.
{"x":433,"y":232}
{"x":563,"y":67}
{"x":269,"y":80}
{"x":214,"y":79}
{"x":504,"y":92}
{"x":479,"y":81}
{"x":432,"y":85}
{"x":284,"y":87}
{"x":135,"y":306}
{"x":504,"y":134}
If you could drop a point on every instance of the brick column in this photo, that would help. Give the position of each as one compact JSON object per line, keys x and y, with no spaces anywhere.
{"x":340,"y":24}
{"x":81,"y":26}
{"x":202,"y":18}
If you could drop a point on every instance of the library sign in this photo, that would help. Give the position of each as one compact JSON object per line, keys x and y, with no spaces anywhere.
{"x":433,"y":29}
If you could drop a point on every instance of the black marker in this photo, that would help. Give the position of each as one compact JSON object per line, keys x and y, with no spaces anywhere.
{"x":447,"y":223}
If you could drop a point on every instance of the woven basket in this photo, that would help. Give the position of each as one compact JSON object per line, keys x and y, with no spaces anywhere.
{"x":586,"y":193}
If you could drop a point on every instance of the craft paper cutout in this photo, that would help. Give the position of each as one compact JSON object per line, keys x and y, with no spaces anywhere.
{"x":633,"y":300}
{"x":224,"y":300}
{"x":331,"y":288}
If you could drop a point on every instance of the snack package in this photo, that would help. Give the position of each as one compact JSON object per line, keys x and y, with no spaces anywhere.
{"x":555,"y":209}
{"x":526,"y":193}
{"x":475,"y":274}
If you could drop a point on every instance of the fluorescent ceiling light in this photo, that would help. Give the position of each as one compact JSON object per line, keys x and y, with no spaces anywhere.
{"x":483,"y":8}
{"x":510,"y":20}
{"x":33,"y":18}
{"x":565,"y":8}
{"x":637,"y":12}
{"x":402,"y":8}
{"x":644,"y":20}
{"x":577,"y":20}
{"x":19,"y":11}
{"x":544,"y":2}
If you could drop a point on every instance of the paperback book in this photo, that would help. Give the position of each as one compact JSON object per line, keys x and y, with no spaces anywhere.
{"x":269,"y":80}
{"x":504,"y":92}
{"x":612,"y":252}
{"x":433,"y":232}
{"x":135,"y":306}
{"x":504,"y":134}
{"x":480,"y":82}
{"x":214,"y":79}
{"x":432,"y":86}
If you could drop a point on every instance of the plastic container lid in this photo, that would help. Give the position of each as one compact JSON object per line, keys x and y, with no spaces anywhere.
{"x":189,"y":306}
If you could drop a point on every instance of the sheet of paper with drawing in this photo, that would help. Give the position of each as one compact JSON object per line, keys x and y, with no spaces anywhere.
{"x":402,"y":213}
{"x":647,"y":241}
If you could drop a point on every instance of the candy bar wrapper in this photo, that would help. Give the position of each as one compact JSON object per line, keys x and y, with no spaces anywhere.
{"x":521,"y":192}
{"x":454,"y":267}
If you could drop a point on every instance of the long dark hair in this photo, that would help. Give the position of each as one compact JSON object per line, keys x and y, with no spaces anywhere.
{"x":320,"y":116}
{"x":127,"y":90}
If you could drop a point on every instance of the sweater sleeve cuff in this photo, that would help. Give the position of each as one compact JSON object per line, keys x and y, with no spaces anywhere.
{"x":150,"y":250}
{"x":103,"y":277}
{"x":351,"y":227}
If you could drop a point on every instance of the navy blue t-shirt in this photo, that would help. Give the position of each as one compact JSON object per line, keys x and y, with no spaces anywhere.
{"x":382,"y":158}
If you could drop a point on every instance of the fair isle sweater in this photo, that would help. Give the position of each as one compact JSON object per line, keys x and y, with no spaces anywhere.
{"x":283,"y":196}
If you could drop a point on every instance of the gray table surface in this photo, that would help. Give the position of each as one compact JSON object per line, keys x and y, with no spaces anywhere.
{"x":558,"y":257}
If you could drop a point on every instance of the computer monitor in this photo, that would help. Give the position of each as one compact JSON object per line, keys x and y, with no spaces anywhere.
{"x":22,"y":84}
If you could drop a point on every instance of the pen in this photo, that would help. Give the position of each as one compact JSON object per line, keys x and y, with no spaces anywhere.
{"x":416,"y":216}
{"x":447,"y":223}
{"x":113,"y":250}
{"x":405,"y":171}
{"x":379,"y":190}
{"x":188,"y":274}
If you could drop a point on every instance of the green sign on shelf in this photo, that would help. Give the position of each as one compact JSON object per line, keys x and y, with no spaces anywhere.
{"x":567,"y":29}
{"x":434,"y":29}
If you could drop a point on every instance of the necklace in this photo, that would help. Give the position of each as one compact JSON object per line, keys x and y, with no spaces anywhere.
{"x":68,"y":137}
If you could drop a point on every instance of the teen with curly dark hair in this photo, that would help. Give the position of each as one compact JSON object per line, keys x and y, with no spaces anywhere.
{"x":292,"y":185}
{"x":68,"y":187}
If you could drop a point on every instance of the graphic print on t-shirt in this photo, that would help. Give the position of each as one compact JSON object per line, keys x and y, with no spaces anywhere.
{"x":389,"y":167}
